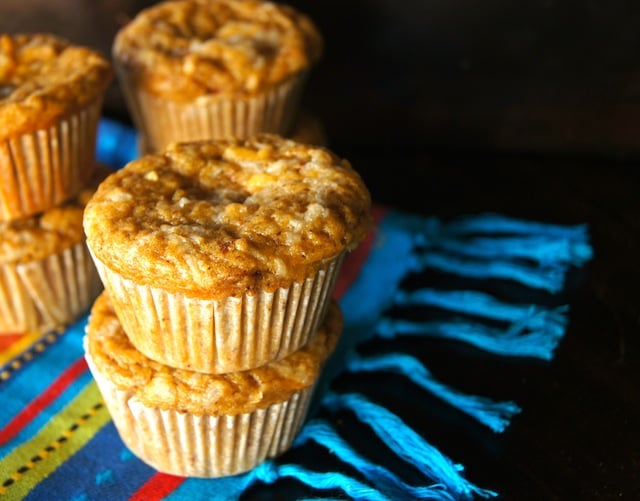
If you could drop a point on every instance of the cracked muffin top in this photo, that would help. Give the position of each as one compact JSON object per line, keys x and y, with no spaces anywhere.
{"x":183,"y":49}
{"x":212,"y":219}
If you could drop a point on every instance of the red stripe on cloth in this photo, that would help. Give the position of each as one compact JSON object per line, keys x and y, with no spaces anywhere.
{"x":43,"y":400}
{"x":157,"y":487}
{"x":354,"y":260}
{"x":7,"y":340}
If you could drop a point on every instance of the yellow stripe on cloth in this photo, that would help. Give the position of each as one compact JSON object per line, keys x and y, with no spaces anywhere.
{"x":66,"y":433}
{"x":22,"y":344}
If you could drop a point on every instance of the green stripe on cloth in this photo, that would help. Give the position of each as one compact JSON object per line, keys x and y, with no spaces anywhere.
{"x":66,"y":433}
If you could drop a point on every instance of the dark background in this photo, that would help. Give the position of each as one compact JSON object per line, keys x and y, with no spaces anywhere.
{"x":552,"y":76}
{"x":454,"y":107}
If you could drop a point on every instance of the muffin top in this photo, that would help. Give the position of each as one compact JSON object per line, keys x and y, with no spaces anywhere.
{"x":49,"y":232}
{"x":183,"y":49}
{"x":211,"y":219}
{"x":44,"y":77}
{"x":160,"y":386}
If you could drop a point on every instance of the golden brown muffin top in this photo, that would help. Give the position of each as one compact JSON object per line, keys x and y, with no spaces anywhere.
{"x":160,"y":386}
{"x":211,"y":219}
{"x":183,"y":49}
{"x":44,"y":77}
{"x":49,"y":232}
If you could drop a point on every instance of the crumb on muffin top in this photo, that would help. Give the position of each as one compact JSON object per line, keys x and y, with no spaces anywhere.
{"x":223,"y":218}
{"x":182,"y":49}
{"x":49,"y":232}
{"x":160,"y":386}
{"x":44,"y":77}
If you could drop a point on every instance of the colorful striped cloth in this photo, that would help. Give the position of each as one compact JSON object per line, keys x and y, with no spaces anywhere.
{"x":57,"y":440}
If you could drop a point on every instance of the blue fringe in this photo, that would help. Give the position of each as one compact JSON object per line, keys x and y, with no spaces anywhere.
{"x":546,"y":250}
{"x":534,"y":331}
{"x":407,"y":444}
{"x":549,"y":278}
{"x":484,"y":305}
{"x":268,"y":472}
{"x":495,"y":415}
{"x":322,"y":433}
{"x":495,"y":224}
{"x":514,"y":341}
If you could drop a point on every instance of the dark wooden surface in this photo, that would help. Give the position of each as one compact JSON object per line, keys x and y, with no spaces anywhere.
{"x":526,"y":108}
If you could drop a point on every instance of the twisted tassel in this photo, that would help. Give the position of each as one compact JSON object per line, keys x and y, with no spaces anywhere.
{"x":407,"y":444}
{"x":484,"y":305}
{"x":268,"y":472}
{"x":495,"y":415}
{"x":514,"y":341}
{"x":548,"y":278}
{"x":495,"y":224}
{"x":543,"y":249}
{"x":384,"y":480}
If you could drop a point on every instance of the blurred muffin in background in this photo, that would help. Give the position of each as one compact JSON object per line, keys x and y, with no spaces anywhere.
{"x":51,"y":94}
{"x":47,"y":277}
{"x":201,"y":69}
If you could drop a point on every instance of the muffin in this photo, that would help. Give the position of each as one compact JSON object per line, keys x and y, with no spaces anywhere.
{"x":202,"y":69}
{"x":47,"y":277}
{"x":50,"y":101}
{"x":203,"y":425}
{"x":221,"y":255}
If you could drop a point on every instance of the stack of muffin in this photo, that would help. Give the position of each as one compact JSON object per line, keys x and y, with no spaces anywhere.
{"x":219,"y":249}
{"x":50,"y":101}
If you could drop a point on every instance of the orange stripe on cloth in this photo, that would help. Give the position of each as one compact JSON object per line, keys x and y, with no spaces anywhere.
{"x":43,"y":400}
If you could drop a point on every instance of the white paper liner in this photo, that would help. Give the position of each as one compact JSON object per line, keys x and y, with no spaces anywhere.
{"x":47,"y":293}
{"x":162,"y":122}
{"x":43,"y":168}
{"x":225,"y":335}
{"x":202,"y":445}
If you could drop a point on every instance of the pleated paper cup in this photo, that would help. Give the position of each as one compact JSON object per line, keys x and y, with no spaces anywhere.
{"x":43,"y":168}
{"x":220,"y":335}
{"x":47,"y":293}
{"x":162,"y":121}
{"x":207,"y":446}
